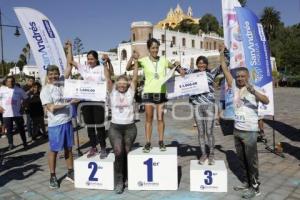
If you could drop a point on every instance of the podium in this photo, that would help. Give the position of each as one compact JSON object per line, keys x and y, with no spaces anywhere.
{"x":208,"y":178}
{"x":94,"y":173}
{"x":156,"y":170}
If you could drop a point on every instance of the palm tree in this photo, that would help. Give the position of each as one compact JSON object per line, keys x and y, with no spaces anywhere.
{"x":270,"y":20}
{"x":28,"y":51}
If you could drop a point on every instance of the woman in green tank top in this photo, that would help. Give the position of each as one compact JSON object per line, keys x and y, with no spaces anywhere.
{"x":154,"y":94}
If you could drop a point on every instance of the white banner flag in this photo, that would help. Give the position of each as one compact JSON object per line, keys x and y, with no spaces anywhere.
{"x":43,"y":39}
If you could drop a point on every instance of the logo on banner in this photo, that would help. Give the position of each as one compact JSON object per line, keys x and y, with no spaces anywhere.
{"x":48,"y":28}
{"x":40,"y":43}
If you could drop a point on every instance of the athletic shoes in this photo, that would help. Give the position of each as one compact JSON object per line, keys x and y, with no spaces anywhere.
{"x":211,"y":159}
{"x":243,"y":187}
{"x":70,"y":176}
{"x":147,"y":147}
{"x":251,"y":192}
{"x":162,"y":146}
{"x":92,"y":152}
{"x":53,"y":184}
{"x":103,"y":153}
{"x":202,"y":159}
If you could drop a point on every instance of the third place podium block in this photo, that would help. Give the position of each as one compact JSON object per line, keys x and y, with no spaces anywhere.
{"x":94,"y":173}
{"x":208,"y":178}
{"x":156,"y":170}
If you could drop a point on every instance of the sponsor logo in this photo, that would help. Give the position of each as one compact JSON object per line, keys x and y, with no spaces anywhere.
{"x":40,"y":44}
{"x":92,"y":183}
{"x":203,"y":187}
{"x":48,"y":29}
{"x":145,"y":184}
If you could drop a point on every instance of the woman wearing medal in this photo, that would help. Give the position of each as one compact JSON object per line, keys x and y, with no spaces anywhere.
{"x":122,"y":130}
{"x":154,"y":94}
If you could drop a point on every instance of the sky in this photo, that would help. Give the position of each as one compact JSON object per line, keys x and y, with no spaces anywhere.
{"x":103,"y":24}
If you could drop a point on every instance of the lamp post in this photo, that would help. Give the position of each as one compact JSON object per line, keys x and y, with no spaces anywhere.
{"x":17,"y":34}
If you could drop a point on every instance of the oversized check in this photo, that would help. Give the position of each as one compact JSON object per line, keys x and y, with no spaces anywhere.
{"x":191,"y":84}
{"x":85,"y":90}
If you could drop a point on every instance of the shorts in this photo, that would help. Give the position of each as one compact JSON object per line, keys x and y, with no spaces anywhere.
{"x":156,"y":98}
{"x":60,"y":137}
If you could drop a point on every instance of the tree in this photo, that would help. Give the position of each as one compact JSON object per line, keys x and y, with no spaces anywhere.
{"x":270,"y":20}
{"x":22,"y":61}
{"x":209,"y":23}
{"x":114,"y":50}
{"x":28,"y":51}
{"x":78,"y":47}
{"x":243,"y":2}
{"x":187,"y":26}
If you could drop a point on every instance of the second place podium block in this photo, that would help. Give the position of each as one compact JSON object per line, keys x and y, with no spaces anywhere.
{"x":156,"y":170}
{"x":94,"y":173}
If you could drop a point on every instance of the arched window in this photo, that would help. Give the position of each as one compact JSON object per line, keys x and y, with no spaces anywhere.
{"x":123,"y":54}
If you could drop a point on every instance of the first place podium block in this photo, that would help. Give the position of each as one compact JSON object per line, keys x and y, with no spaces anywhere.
{"x":208,"y":178}
{"x":94,"y":173}
{"x":156,"y":170}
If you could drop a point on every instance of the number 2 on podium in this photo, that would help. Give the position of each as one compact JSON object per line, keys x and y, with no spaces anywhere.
{"x":94,"y":167}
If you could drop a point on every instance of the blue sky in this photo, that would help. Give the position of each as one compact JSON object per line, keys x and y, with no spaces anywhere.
{"x":102,"y":24}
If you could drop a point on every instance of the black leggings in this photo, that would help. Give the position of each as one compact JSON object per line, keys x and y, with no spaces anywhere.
{"x":8,"y":123}
{"x":121,"y":138}
{"x":94,"y":118}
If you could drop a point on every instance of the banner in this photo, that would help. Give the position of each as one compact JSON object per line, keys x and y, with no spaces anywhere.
{"x":233,"y":41}
{"x":257,"y":56}
{"x":191,"y":84}
{"x":43,"y":39}
{"x":85,"y":90}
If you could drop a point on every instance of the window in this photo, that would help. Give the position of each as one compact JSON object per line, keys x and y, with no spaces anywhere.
{"x":215,"y":45}
{"x":123,"y":54}
{"x":149,"y":36}
{"x":192,"y":63}
{"x":133,"y":37}
{"x":174,"y":52}
{"x":163,"y":38}
{"x":201,"y":45}
{"x":183,"y":42}
{"x":174,"y":40}
{"x":210,"y":46}
{"x":193,"y":43}
{"x":163,"y":53}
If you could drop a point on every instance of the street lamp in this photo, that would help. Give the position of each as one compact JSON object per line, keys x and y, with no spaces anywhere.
{"x":17,"y":34}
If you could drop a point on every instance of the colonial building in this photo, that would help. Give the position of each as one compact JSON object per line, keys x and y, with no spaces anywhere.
{"x":174,"y":17}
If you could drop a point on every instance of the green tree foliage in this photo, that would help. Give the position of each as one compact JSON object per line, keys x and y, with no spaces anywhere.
{"x":187,"y":26}
{"x":270,"y":19}
{"x":209,"y":23}
{"x":77,"y":46}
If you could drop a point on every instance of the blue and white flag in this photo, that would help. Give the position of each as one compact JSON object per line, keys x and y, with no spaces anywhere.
{"x":43,"y":39}
{"x":257,"y":55}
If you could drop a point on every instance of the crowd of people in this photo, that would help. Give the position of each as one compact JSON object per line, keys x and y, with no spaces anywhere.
{"x":34,"y":101}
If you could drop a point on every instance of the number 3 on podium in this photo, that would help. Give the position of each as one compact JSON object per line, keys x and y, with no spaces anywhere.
{"x":209,"y":179}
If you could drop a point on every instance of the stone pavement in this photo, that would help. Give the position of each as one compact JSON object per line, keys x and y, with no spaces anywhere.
{"x":25,"y":175}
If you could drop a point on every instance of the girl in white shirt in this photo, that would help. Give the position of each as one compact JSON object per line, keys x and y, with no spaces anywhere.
{"x":94,"y":112}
